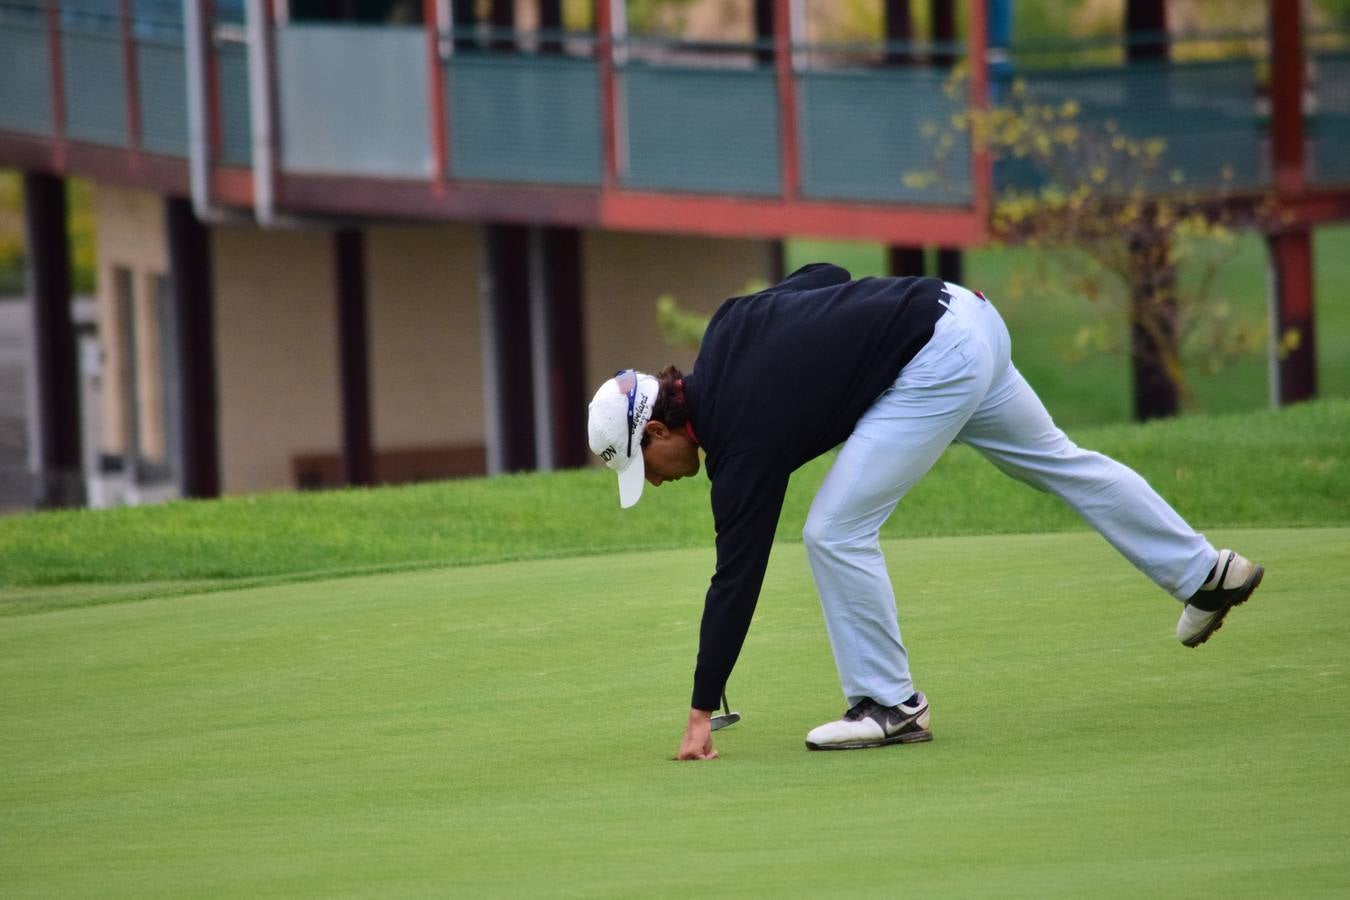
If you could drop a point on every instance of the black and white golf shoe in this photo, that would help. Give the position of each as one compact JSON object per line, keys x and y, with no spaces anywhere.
{"x":869,"y":724}
{"x":1231,"y":583}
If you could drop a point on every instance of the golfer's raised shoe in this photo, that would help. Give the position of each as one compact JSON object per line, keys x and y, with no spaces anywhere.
{"x":869,"y":724}
{"x":1232,"y":582}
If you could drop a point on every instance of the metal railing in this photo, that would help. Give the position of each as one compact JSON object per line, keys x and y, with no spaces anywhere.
{"x":531,"y":108}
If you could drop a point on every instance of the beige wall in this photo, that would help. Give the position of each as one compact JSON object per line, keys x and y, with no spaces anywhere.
{"x":626,"y":273}
{"x":425,"y":357}
{"x":276,"y":352}
{"x":276,"y":329}
{"x":129,"y":234}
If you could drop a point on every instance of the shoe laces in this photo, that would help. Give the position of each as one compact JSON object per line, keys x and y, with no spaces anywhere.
{"x":860,"y":709}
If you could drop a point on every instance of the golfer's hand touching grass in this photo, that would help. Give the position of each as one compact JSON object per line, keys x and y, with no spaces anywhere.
{"x":697,"y":743}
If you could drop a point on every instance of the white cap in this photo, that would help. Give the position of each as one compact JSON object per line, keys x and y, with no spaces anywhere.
{"x":619,"y":411}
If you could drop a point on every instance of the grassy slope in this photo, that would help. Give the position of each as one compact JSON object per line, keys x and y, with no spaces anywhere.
{"x":1285,"y":468}
{"x":1096,"y":390}
{"x":503,"y":730}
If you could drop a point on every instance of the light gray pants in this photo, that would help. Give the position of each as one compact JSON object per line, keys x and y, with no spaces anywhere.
{"x":963,"y":387}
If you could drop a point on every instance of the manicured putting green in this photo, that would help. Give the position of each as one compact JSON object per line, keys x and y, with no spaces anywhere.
{"x":507,"y":730}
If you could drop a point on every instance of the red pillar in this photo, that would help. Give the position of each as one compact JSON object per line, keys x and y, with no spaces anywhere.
{"x":1295,"y":367}
{"x":440,"y":153}
{"x":1295,"y":364}
{"x":787,"y":98}
{"x":609,"y":113}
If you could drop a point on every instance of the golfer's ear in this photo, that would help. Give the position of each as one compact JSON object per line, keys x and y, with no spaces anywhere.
{"x":656,"y":429}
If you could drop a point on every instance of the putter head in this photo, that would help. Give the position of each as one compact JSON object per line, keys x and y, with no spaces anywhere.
{"x":722,"y":720}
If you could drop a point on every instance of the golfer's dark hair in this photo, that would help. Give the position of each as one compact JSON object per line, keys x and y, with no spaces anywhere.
{"x":669,"y":406}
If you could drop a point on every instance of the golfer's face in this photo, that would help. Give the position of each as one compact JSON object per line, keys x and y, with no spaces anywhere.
{"x":669,"y":457}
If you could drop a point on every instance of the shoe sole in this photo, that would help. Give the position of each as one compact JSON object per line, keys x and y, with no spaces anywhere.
{"x":909,"y":737}
{"x":1248,"y":589}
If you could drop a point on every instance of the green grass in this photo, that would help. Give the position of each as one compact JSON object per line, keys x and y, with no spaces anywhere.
{"x":505,"y":730}
{"x":1097,"y":390}
{"x":1285,"y":468}
{"x":485,"y":701}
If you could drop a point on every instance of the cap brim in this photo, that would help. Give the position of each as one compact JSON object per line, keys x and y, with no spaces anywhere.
{"x":631,"y":480}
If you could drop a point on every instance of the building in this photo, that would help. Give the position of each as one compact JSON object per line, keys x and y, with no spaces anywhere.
{"x":367,"y":241}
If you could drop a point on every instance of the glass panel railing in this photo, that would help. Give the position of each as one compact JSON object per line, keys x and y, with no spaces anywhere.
{"x":691,"y":117}
{"x":25,"y":69}
{"x":353,"y":100}
{"x":1207,"y":114}
{"x":699,"y":128}
{"x":861,"y":131}
{"x":162,"y":86}
{"x":1329,"y":124}
{"x":93,"y":73}
{"x":235,"y":116}
{"x":524,"y":118}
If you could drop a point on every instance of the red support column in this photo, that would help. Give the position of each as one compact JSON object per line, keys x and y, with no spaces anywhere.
{"x":1286,"y":95}
{"x":977,"y":48}
{"x":132,"y":82}
{"x":440,"y":153}
{"x":1295,"y":345}
{"x":609,"y":114}
{"x":787,"y":99}
{"x":58,"y":84}
{"x":1294,"y":366}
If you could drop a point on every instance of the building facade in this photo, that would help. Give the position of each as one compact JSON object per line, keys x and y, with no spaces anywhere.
{"x":357,"y":243}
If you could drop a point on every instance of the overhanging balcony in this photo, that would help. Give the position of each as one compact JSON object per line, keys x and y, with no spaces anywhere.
{"x":590,"y":130}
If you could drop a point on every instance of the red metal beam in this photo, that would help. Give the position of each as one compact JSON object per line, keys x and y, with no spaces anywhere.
{"x":629,"y":210}
{"x":1314,"y":208}
{"x":576,"y":207}
{"x":232,"y":186}
{"x":166,"y":174}
{"x":30,"y":153}
{"x":787,"y":99}
{"x":461,"y":201}
{"x":771,"y":218}
{"x":440,"y":151}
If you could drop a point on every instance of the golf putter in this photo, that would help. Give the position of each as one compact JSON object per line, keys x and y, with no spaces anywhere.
{"x":726,"y":717}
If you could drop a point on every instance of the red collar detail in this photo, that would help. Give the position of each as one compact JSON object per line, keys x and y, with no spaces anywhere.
{"x":689,"y":430}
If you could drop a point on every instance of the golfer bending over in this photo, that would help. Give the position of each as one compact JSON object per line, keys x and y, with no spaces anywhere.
{"x":894,"y":369}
